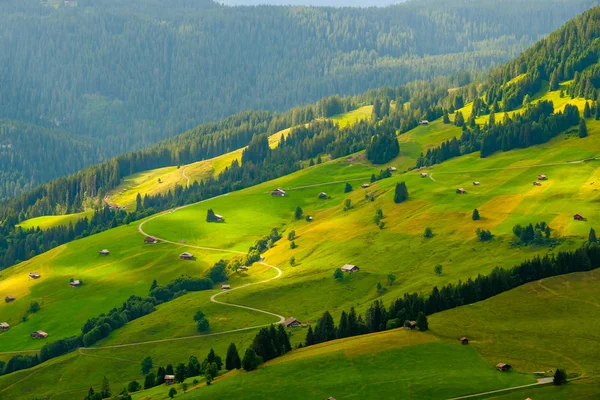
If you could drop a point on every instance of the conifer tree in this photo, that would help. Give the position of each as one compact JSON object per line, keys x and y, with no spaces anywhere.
{"x":401,"y":193}
{"x":422,"y":323}
{"x":582,"y":129}
{"x":560,"y":377}
{"x":310,"y":337}
{"x":232,"y":361}
{"x":592,"y":236}
{"x":347,"y":188}
{"x":105,"y":391}
{"x":475,"y":215}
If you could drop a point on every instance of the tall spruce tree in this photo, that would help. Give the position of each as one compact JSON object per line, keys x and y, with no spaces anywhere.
{"x":592,"y":236}
{"x":325,"y":330}
{"x":232,"y":361}
{"x":401,"y":193}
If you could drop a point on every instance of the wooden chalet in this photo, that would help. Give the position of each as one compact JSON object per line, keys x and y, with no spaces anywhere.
{"x":186,"y":256}
{"x":476,"y":183}
{"x":219,"y":218}
{"x":461,"y":191}
{"x":169,"y":379}
{"x":39,"y":335}
{"x":350,"y":268}
{"x":503,"y":367}
{"x":279,"y":192}
{"x":225,"y":287}
{"x":291,"y":322}
{"x":322,"y":195}
{"x":104,"y":252}
{"x":412,"y":324}
{"x":578,"y":217}
{"x":243,"y":268}
{"x":309,"y":218}
{"x":365,"y":185}
{"x":424,"y":122}
{"x":9,"y":299}
{"x":392,"y":169}
{"x":150,"y":240}
{"x":4,"y":326}
{"x":75,"y":283}
{"x":464,"y":340}
{"x":34,"y":275}
{"x":542,"y":177}
{"x":331,"y":398}
{"x":423,"y":174}
{"x":536,"y":183}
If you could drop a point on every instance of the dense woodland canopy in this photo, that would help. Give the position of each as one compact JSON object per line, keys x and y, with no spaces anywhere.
{"x":124,"y":75}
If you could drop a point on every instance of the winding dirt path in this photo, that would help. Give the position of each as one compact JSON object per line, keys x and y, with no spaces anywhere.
{"x":187,"y":178}
{"x":542,"y":381}
{"x":213,"y":298}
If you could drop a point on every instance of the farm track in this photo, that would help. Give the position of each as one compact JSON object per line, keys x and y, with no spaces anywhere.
{"x":187,"y":178}
{"x":542,"y":381}
{"x":575,"y":162}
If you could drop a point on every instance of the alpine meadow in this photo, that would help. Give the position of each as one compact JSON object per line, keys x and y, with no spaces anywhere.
{"x":213,"y":201}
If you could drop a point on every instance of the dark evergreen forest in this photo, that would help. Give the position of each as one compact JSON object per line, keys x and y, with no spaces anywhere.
{"x":123,"y":75}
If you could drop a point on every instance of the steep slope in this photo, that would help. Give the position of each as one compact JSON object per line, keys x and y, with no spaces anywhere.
{"x":202,"y":61}
{"x":31,"y":155}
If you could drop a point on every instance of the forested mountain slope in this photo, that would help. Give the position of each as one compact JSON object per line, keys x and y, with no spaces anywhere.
{"x":31,"y":155}
{"x":132,"y":73}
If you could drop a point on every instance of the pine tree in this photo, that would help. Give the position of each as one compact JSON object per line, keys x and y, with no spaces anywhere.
{"x":446,"y":118}
{"x":459,"y":119}
{"x":283,"y":339}
{"x":169,"y":370}
{"x":560,"y":377}
{"x":343,"y":329}
{"x":180,"y":373}
{"x":298,"y":213}
{"x":310,"y":337}
{"x":311,"y":163}
{"x":251,"y":361}
{"x":353,"y":327}
{"x":347,"y":188}
{"x":138,"y":203}
{"x":147,"y":365}
{"x":592,"y":236}
{"x":475,"y":215}
{"x":582,"y":129}
{"x":325,"y":330}
{"x":210,"y":216}
{"x":401,"y":193}
{"x":587,"y":112}
{"x":105,"y":391}
{"x":422,"y":323}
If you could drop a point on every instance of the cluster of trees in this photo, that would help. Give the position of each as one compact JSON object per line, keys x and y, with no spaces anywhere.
{"x":484,"y":235}
{"x":567,"y":54}
{"x":166,"y":79}
{"x":417,"y":306}
{"x":178,"y":287}
{"x":538,"y":233}
{"x":209,"y":368}
{"x":538,"y":124}
{"x":260,"y":246}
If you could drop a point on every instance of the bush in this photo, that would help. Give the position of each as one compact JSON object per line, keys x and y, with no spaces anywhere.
{"x":428,"y":233}
{"x":133,"y":386}
{"x":338,"y":274}
{"x":401,"y":193}
{"x":484,"y":235}
{"x":251,"y":361}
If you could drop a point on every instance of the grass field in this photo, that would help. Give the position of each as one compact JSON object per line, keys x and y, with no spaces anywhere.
{"x":54,"y":220}
{"x":335,"y":237}
{"x":147,"y":182}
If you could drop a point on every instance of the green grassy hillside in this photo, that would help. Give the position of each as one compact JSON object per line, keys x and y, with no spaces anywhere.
{"x":505,"y":197}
